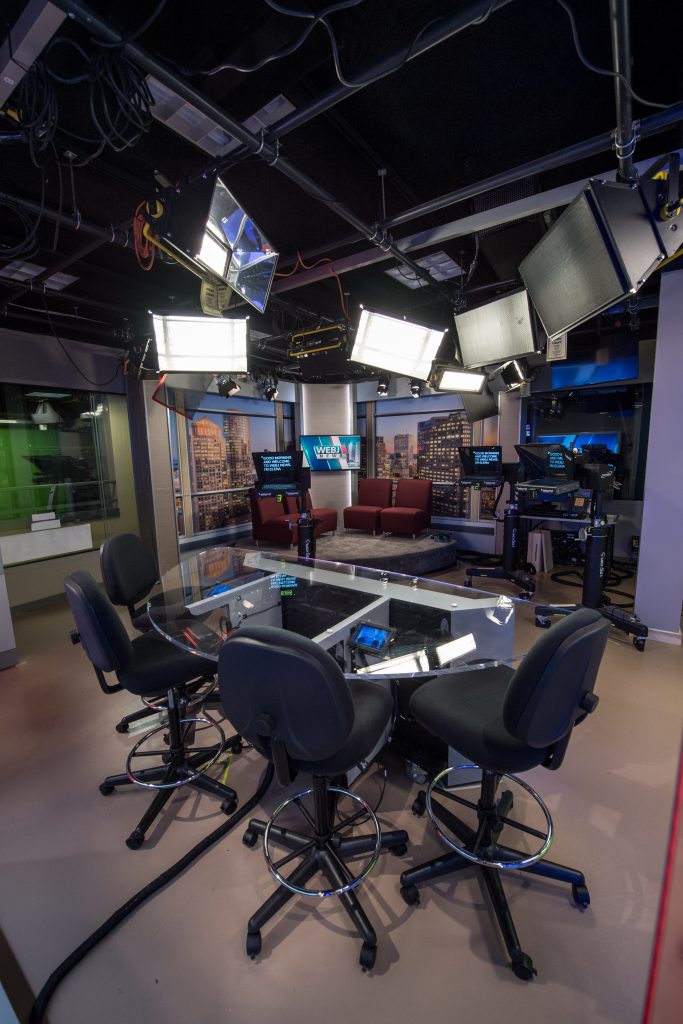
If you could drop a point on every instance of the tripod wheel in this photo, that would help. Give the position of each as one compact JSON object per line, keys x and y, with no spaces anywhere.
{"x":639,"y":643}
{"x":367,"y":957}
{"x":524,"y":967}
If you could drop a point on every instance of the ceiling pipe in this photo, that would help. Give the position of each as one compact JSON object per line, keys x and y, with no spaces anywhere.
{"x":484,"y":219}
{"x":651,"y":125}
{"x":443,"y":29}
{"x":260,"y":147}
{"x":625,"y":132}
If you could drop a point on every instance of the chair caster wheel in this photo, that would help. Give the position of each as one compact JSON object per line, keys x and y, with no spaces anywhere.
{"x":524,"y":967}
{"x":419,"y":804}
{"x":410,"y":894}
{"x":229,"y":806}
{"x":105,"y":790}
{"x":639,"y":643}
{"x":237,"y":748}
{"x":542,"y":621}
{"x":253,"y":944}
{"x":581,"y":895}
{"x":467,"y":582}
{"x":121,"y":726}
{"x":250,"y":838}
{"x":400,"y":850}
{"x":367,"y":957}
{"x":135,"y":839}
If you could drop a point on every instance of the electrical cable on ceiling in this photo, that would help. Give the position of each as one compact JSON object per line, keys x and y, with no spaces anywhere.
{"x":301,"y":265}
{"x":68,"y":354}
{"x":138,"y":31}
{"x":604,"y":71}
{"x":286,"y":51}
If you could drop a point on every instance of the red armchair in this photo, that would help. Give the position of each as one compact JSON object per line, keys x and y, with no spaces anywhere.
{"x":412,"y":511}
{"x":274,"y":522}
{"x":373,"y":496}
{"x":270,"y":521}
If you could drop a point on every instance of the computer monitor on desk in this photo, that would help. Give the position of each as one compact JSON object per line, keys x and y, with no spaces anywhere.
{"x":558,"y":471}
{"x":279,"y":472}
{"x":481,"y":464}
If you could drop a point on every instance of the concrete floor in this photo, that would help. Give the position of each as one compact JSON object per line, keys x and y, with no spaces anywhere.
{"x":64,"y":869}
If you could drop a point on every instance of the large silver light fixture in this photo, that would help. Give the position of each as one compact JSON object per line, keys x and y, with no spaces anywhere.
{"x":205,"y":228}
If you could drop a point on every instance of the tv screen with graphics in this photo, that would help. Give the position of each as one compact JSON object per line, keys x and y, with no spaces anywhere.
{"x":325,"y":452}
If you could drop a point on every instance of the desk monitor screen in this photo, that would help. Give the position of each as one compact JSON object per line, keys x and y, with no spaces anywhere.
{"x":485,"y":460}
{"x":370,"y":637}
{"x":559,"y":465}
{"x":533,"y":459}
{"x":278,"y":468}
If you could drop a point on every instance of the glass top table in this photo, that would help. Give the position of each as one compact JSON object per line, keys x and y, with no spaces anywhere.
{"x":413,"y":626}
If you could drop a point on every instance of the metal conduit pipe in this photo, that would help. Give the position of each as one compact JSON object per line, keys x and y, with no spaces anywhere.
{"x":445,"y":28}
{"x":258,"y":146}
{"x":624,"y":136}
{"x":579,"y":151}
{"x":651,"y":125}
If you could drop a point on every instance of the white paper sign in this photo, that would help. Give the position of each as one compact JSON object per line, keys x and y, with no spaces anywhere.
{"x":557,"y":348}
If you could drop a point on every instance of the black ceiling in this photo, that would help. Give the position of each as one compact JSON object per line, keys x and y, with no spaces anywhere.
{"x":496,"y":95}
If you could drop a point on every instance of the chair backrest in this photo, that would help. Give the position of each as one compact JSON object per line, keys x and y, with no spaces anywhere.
{"x":264,"y":509}
{"x":375,"y":491}
{"x":552,"y":687}
{"x":128,"y":570}
{"x":102,"y":634}
{"x":414,"y":494}
{"x":280,"y":689}
{"x":291,"y":503}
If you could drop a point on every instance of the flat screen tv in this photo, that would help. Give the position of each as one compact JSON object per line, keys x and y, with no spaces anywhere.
{"x":596,"y":361}
{"x":331,"y":452}
{"x":610,"y":439}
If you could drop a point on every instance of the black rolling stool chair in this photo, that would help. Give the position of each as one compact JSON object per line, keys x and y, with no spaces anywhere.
{"x":288,"y":697}
{"x":147,"y":665}
{"x":507,"y":721}
{"x":129,"y":574}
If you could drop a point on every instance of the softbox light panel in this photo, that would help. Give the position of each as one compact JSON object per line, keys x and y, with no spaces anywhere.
{"x":597,"y":253}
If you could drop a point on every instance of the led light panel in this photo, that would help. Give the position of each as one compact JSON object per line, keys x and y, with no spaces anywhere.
{"x":193,"y":344}
{"x":494,"y":333}
{"x":460,"y":380}
{"x":395,"y":345}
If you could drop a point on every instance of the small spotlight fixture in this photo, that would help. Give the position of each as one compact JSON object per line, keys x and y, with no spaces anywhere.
{"x":271,"y":391}
{"x":415,"y":388}
{"x":383,"y":386}
{"x":227,"y":387}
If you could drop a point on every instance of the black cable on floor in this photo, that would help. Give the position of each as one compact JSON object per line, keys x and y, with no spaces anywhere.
{"x":43,"y":998}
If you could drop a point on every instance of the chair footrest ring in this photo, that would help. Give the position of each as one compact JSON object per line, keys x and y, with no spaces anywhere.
{"x":461,"y":848}
{"x":192,"y":773}
{"x":357,"y":879}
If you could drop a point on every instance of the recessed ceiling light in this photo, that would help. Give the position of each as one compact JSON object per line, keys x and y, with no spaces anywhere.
{"x":440,"y":265}
{"x":19,"y":270}
{"x":48,"y":394}
{"x":186,"y":120}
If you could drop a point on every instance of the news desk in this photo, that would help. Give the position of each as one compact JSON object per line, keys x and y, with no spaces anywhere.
{"x":437,"y":628}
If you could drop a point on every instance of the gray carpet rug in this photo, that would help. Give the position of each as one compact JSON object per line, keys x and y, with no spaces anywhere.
{"x":398,"y":554}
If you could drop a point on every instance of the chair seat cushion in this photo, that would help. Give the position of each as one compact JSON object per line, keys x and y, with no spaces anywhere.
{"x":404,"y":520}
{"x":362,"y":517}
{"x":372,"y":707}
{"x":465,"y":710}
{"x":157,"y":665}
